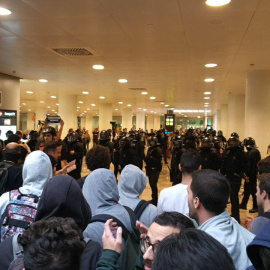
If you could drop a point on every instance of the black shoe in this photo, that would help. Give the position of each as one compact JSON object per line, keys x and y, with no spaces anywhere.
{"x":253,"y":210}
{"x":241,"y":206}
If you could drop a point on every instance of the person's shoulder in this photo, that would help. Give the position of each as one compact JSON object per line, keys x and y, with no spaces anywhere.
{"x":174,"y":189}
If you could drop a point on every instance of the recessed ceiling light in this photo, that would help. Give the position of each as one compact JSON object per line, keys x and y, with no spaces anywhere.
{"x":144,"y":93}
{"x":140,"y":108}
{"x":101,"y":97}
{"x":152,"y":97}
{"x":4,"y":11}
{"x":167,"y":105}
{"x":85,"y":111}
{"x":77,"y":110}
{"x":162,"y":102}
{"x":206,"y":97}
{"x":53,"y":96}
{"x":49,"y":107}
{"x":48,"y":114}
{"x":185,"y":116}
{"x":151,"y":111}
{"x":145,"y":109}
{"x":209,"y":80}
{"x":78,"y":107}
{"x":41,"y":101}
{"x":122,"y":80}
{"x":207,"y":93}
{"x":172,"y":108}
{"x":155,"y":112}
{"x":99,"y":67}
{"x":199,"y":117}
{"x":53,"y":110}
{"x":57,"y":104}
{"x":129,"y":105}
{"x":81,"y":102}
{"x":93,"y":105}
{"x":29,"y":92}
{"x":206,"y":103}
{"x":217,"y":3}
{"x":43,"y":80}
{"x":85,"y":92}
{"x":120,"y":102}
{"x":116,"y":109}
{"x":162,"y":114}
{"x":88,"y":109}
{"x":210,"y":65}
{"x":29,"y":110}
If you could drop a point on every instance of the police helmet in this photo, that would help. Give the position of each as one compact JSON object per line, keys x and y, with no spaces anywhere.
{"x":49,"y":130}
{"x":9,"y":132}
{"x":217,"y":142}
{"x":206,"y":142}
{"x":152,"y":141}
{"x":249,"y":142}
{"x":103,"y":136}
{"x":177,"y":142}
{"x":233,"y":142}
{"x":124,"y":142}
{"x":220,"y":133}
{"x":234,"y":134}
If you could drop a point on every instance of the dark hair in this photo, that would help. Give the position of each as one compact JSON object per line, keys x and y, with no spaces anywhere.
{"x":212,"y":188}
{"x":53,"y":244}
{"x":19,"y":133}
{"x":192,"y":249}
{"x":264,"y":165}
{"x":51,"y":146}
{"x":190,"y":161}
{"x":98,"y":157}
{"x":39,"y":142}
{"x":264,"y":183}
{"x":175,"y":220}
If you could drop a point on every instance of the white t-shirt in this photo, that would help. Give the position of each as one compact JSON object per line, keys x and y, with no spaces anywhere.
{"x":174,"y":198}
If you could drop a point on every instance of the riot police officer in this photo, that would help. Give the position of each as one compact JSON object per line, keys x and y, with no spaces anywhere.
{"x":153,"y":166}
{"x":209,"y":157}
{"x":253,"y":157}
{"x":33,"y":135}
{"x":116,"y":151}
{"x":222,"y":138}
{"x":163,"y":141}
{"x":177,"y":151}
{"x":234,"y":163}
{"x":104,"y":140}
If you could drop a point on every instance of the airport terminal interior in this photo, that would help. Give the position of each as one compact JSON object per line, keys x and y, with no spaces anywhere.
{"x":153,"y":72}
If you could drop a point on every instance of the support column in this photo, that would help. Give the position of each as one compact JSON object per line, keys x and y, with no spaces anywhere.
{"x":157,"y":122}
{"x":40,"y":115}
{"x":150,"y":122}
{"x":127,"y":118}
{"x":218,"y":120}
{"x":205,"y":120}
{"x":10,"y":88}
{"x":30,"y":121}
{"x":224,"y":120}
{"x":257,"y":111}
{"x":236,"y":115}
{"x":68,"y":112}
{"x":105,"y":116}
{"x":140,"y":120}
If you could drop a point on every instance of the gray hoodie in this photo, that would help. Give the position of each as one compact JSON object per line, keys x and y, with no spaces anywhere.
{"x":101,"y":193}
{"x":131,"y":185}
{"x":37,"y":171}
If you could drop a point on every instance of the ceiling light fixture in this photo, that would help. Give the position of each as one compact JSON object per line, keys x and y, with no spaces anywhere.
{"x":152,"y":97}
{"x":207,"y":93}
{"x":120,"y":102}
{"x":81,"y":102}
{"x":217,"y":3}
{"x":85,"y":92}
{"x":43,"y":80}
{"x":29,"y":110}
{"x":78,"y":107}
{"x":144,"y":93}
{"x":167,"y":105}
{"x":116,"y":109}
{"x":123,"y":80}
{"x":210,"y":65}
{"x":57,"y":104}
{"x":129,"y":105}
{"x":4,"y":11}
{"x":140,"y":108}
{"x":49,"y":107}
{"x":145,"y":110}
{"x":29,"y":92}
{"x":42,"y":101}
{"x":199,"y":117}
{"x":53,"y":96}
{"x":209,"y":80}
{"x":88,"y":109}
{"x":206,"y":103}
{"x":162,"y":102}
{"x":206,"y":97}
{"x":99,"y":67}
{"x":101,"y":97}
{"x":93,"y":105}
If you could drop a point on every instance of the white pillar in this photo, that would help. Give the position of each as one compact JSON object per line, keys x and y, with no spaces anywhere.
{"x":257,"y":111}
{"x":205,"y":121}
{"x":40,"y":115}
{"x":224,"y":120}
{"x":218,"y":120}
{"x":236,"y":115}
{"x":150,"y":122}
{"x":127,"y":118}
{"x":140,"y":120}
{"x":10,"y":88}
{"x":68,"y":112}
{"x":30,"y":121}
{"x":157,"y":122}
{"x":105,"y":116}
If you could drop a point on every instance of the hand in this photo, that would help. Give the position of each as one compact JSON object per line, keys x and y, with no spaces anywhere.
{"x":142,"y":228}
{"x":64,"y":170}
{"x":248,"y":222}
{"x":72,"y":152}
{"x":109,"y":242}
{"x":62,"y":123}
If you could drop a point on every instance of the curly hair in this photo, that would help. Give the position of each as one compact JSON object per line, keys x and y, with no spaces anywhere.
{"x":98,"y":157}
{"x":53,"y":244}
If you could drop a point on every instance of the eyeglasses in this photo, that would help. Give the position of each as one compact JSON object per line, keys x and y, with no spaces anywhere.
{"x":145,"y":244}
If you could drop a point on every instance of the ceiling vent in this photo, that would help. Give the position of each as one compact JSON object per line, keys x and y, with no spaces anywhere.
{"x":138,"y":89}
{"x":72,"y":51}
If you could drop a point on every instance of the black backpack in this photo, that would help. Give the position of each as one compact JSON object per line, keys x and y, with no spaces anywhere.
{"x":4,"y":166}
{"x":140,"y":208}
{"x":131,"y":251}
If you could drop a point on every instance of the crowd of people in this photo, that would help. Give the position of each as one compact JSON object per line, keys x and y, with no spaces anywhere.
{"x":53,"y":218}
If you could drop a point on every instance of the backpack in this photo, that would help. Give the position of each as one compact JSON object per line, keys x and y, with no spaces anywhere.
{"x":19,"y":214}
{"x":130,"y":253}
{"x":140,"y":208}
{"x":4,"y":166}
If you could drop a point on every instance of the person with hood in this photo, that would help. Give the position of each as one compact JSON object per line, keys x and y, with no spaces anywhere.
{"x":101,"y":192}
{"x":131,"y":185}
{"x":258,"y":250}
{"x":69,"y":203}
{"x":37,"y":171}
